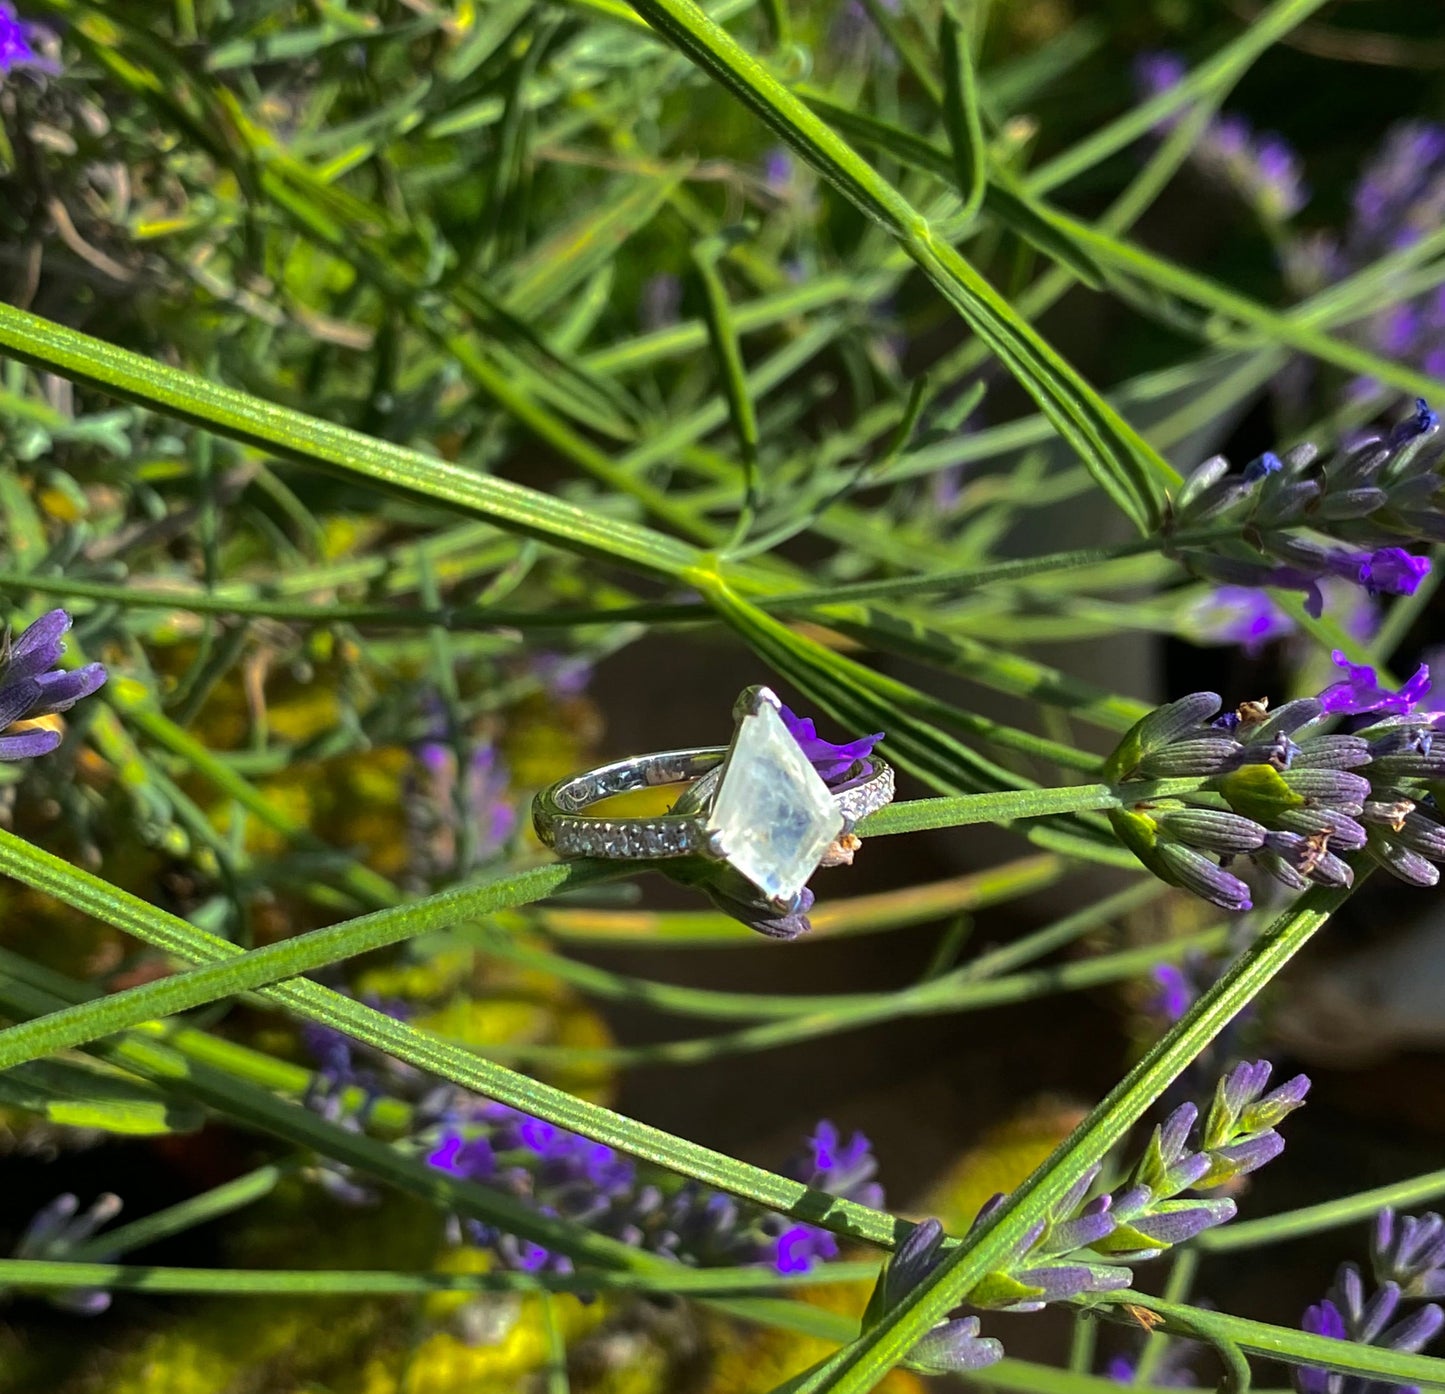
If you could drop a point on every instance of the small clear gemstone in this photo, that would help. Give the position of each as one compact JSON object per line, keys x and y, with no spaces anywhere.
{"x":773,"y":813}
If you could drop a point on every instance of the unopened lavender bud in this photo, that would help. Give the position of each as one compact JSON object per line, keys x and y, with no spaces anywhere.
{"x":1423,"y":834}
{"x":1178,"y":1221}
{"x":1400,"y":861}
{"x":1083,"y":1183}
{"x":955,"y":1347}
{"x":1171,"y":1137}
{"x":1084,"y":1231}
{"x":1239,"y":1088}
{"x":1212,"y":829}
{"x":1310,"y":857}
{"x":1288,"y":719}
{"x":1134,"y":1200}
{"x":1416,"y":1330}
{"x":1187,"y":1173}
{"x":1409,"y":765}
{"x":1240,"y":1158}
{"x":1330,"y":788}
{"x":1196,"y":872}
{"x":1410,"y":1251}
{"x":1201,"y":755}
{"x":1340,"y":832}
{"x":1217,"y":502}
{"x":1160,"y":728}
{"x":914,"y":1259}
{"x":1286,"y":505}
{"x":1274,"y":1107}
{"x":1368,"y":1316}
{"x":1281,"y":869}
{"x":1350,"y":503}
{"x":1332,"y":753}
{"x":1063,"y":1281}
{"x":1200,"y":479}
{"x":1300,"y":457}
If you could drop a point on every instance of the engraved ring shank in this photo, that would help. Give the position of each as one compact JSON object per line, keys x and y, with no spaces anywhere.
{"x":561,"y":823}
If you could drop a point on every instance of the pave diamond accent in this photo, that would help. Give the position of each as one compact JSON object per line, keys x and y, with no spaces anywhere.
{"x":773,"y":814}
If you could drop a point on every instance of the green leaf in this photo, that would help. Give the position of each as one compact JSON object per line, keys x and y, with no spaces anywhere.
{"x":76,"y":1094}
{"x":295,"y":436}
{"x":231,"y":971}
{"x":961,"y":117}
{"x":857,"y":1368}
{"x":1124,"y":465}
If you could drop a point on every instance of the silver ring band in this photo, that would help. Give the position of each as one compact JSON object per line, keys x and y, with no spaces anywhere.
{"x":557,"y":812}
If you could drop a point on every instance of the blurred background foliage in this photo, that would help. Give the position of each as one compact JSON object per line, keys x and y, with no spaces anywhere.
{"x":498,"y":232}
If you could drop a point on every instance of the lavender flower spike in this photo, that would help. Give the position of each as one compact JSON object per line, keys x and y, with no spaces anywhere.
{"x":1410,"y":1251}
{"x":1294,"y":520}
{"x":29,"y":688}
{"x":831,"y":761}
{"x":1386,"y":1317}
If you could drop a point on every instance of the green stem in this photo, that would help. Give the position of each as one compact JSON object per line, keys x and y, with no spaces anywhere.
{"x":56,"y":1276}
{"x":1296,"y":1347}
{"x":1314,"y":1219}
{"x":856,"y":1368}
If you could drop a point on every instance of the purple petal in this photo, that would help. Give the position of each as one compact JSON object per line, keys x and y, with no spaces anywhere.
{"x":1393,"y":571}
{"x":39,"y":647}
{"x":1324,"y":1319}
{"x":60,"y":691}
{"x":831,"y":761}
{"x":17,"y":698}
{"x":798,"y":1247}
{"x":1360,"y":690}
{"x":27,"y":745}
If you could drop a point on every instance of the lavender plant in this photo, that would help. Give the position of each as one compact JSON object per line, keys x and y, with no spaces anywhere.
{"x":1058,"y":1259}
{"x":1406,"y":1255}
{"x":411,"y":404}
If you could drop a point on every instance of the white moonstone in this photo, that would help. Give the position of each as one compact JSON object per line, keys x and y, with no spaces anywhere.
{"x":773,"y":813}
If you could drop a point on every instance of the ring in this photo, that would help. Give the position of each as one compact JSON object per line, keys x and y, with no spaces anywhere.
{"x":756,"y":804}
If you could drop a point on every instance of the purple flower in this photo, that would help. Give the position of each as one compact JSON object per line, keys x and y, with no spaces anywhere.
{"x":1174,"y":993}
{"x":778,"y":169}
{"x":29,"y":688}
{"x":1263,"y":169}
{"x":17,"y":44}
{"x":457,"y":800}
{"x":1360,"y":691}
{"x":831,"y":761}
{"x":1159,"y":72}
{"x":1410,"y":1251}
{"x":840,"y":1168}
{"x":799,"y":1247}
{"x":1242,"y":615}
{"x":562,"y":1174}
{"x":1389,"y":571}
{"x":1378,"y":494}
{"x":1381,"y":1318}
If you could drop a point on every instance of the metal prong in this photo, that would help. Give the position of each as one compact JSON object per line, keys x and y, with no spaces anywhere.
{"x":753,"y":699}
{"x":714,"y":846}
